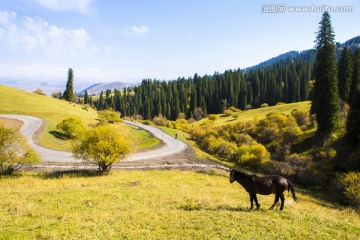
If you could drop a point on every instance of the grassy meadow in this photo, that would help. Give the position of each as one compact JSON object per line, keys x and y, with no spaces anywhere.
{"x":15,"y":101}
{"x":258,"y":113}
{"x":159,"y":205}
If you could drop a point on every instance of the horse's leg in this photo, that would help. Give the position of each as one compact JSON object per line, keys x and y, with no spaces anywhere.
{"x":256,"y":201}
{"x":251,"y":201}
{"x":275,"y":201}
{"x":282,"y":201}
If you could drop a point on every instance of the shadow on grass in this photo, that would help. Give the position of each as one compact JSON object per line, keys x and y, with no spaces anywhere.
{"x":59,"y":135}
{"x":325,"y":198}
{"x":73,"y":174}
{"x":231,"y":120}
{"x":197,"y":207}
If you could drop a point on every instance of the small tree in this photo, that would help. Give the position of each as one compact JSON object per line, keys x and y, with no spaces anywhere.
{"x":198,"y":113}
{"x":69,"y":91}
{"x":39,"y":91}
{"x":14,"y":152}
{"x":72,"y":127}
{"x":102,"y":146}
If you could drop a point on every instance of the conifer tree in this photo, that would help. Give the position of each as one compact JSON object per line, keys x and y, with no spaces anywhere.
{"x":326,"y":95}
{"x":345,"y":74}
{"x":353,"y":120}
{"x":100,"y":105}
{"x":193,"y":100}
{"x":86,"y":97}
{"x":356,"y":74}
{"x":69,"y":90}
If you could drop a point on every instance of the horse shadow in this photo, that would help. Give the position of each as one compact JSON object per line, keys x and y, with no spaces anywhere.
{"x":189,"y":208}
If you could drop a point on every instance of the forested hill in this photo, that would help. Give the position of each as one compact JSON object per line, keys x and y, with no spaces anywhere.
{"x":286,"y":78}
{"x":306,"y":55}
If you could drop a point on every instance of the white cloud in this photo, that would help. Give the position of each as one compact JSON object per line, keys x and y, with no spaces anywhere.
{"x":137,"y":30}
{"x":21,"y":33}
{"x":82,"y":6}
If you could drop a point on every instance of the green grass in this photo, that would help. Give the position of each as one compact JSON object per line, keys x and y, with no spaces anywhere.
{"x":144,"y":139}
{"x":258,"y":113}
{"x":159,"y":205}
{"x":15,"y":101}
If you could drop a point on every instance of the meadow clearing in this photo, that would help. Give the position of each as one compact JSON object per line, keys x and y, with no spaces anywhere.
{"x":160,"y":205}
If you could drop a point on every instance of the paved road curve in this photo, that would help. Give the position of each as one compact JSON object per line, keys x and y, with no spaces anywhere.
{"x":32,"y":124}
{"x":171,"y":146}
{"x":28,"y":129}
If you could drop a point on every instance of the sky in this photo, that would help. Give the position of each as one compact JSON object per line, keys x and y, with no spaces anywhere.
{"x":130,"y":40}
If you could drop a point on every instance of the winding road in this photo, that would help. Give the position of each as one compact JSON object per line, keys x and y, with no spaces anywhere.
{"x":32,"y":124}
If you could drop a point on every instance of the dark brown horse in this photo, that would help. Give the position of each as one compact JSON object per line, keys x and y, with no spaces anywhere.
{"x":264,"y":186}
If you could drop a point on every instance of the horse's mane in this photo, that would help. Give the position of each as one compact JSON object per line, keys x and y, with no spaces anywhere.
{"x":242,"y":173}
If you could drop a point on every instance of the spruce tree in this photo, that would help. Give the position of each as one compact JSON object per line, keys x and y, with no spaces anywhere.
{"x":100,"y":105}
{"x":69,"y":91}
{"x":345,"y":74}
{"x":86,"y":98}
{"x":326,"y":95}
{"x":356,"y":74}
{"x":353,"y":120}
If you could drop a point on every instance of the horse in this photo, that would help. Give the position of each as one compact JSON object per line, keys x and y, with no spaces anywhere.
{"x":263,"y":185}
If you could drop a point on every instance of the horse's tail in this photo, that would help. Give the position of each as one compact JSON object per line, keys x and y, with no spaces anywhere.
{"x":291,"y":187}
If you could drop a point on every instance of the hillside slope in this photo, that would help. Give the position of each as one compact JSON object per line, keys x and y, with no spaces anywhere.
{"x":258,"y":113}
{"x":15,"y":101}
{"x":160,"y":205}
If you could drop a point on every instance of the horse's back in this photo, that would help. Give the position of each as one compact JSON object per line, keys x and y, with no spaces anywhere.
{"x":280,"y":183}
{"x":271,"y":184}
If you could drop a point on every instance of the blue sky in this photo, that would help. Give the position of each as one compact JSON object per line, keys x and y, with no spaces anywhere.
{"x":129,"y":40}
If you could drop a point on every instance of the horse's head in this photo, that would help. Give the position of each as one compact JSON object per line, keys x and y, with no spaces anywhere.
{"x":232,"y":175}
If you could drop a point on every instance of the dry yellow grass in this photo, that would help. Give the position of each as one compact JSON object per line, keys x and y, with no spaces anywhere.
{"x":159,"y":205}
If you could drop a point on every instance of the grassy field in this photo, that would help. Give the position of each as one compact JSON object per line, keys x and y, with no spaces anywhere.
{"x":15,"y":101}
{"x":143,"y":139}
{"x":159,"y":205}
{"x":259,"y":113}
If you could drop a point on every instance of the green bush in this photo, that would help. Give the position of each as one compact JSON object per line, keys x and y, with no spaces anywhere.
{"x":349,"y":184}
{"x":253,"y":155}
{"x":213,"y":117}
{"x":147,"y":122}
{"x":236,"y":115}
{"x":234,"y":109}
{"x":228,"y":112}
{"x":71,"y":127}
{"x":302,"y":118}
{"x":109,"y":116}
{"x":159,"y":121}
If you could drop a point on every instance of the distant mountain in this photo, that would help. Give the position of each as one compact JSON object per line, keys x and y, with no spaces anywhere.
{"x":306,"y":55}
{"x":97,"y":88}
{"x":47,"y":86}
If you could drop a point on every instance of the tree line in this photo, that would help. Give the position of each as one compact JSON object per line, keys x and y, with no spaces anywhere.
{"x":198,"y":96}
